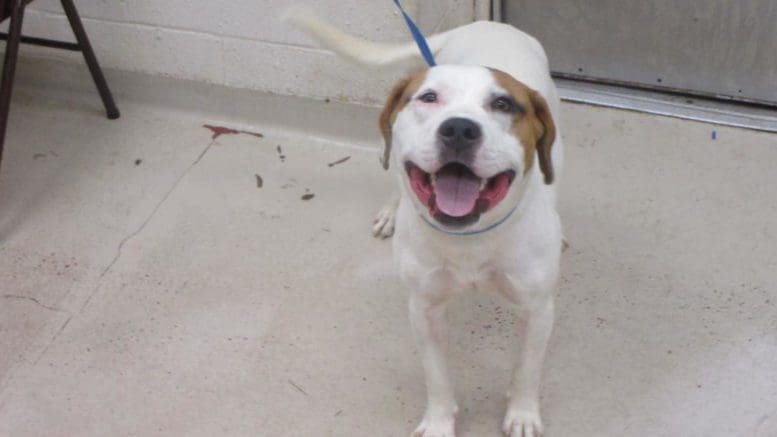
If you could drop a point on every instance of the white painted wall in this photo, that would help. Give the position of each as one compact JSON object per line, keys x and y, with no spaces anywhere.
{"x":241,"y":43}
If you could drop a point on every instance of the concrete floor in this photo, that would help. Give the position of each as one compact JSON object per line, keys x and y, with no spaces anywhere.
{"x":150,"y":287}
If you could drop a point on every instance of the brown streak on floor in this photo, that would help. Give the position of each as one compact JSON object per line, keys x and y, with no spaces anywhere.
{"x":255,"y":134}
{"x":339,"y":161}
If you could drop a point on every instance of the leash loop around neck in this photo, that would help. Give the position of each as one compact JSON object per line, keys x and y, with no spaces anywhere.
{"x":472,"y":232}
{"x":417,"y":36}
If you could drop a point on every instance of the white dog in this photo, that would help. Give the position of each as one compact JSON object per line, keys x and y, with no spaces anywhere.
{"x":478,"y":155}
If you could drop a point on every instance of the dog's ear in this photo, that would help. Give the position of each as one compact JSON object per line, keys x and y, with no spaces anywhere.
{"x":394,"y":104}
{"x":397,"y":99}
{"x":546,"y":134}
{"x":535,"y":129}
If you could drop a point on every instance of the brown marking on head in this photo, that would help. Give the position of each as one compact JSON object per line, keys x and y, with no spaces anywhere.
{"x":533,"y":125}
{"x":397,"y":99}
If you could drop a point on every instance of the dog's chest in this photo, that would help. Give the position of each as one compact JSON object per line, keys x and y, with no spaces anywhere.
{"x":472,"y":264}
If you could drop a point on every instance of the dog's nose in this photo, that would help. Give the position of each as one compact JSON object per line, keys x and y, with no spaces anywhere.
{"x":459,"y":133}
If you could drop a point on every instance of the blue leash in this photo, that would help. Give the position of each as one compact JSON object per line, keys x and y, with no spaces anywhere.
{"x":418,"y":37}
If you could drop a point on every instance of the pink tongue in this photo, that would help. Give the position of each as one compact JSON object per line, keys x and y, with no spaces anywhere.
{"x":456,"y":195}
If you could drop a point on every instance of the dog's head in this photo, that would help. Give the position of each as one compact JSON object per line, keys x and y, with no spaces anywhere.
{"x":466,"y":139}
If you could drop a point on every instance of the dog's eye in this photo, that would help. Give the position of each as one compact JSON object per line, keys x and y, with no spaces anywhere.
{"x":503,"y":104}
{"x":429,"y":97}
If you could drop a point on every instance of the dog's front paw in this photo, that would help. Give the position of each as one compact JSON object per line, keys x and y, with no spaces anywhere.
{"x":384,"y":222}
{"x":522,"y":423}
{"x":435,"y":427}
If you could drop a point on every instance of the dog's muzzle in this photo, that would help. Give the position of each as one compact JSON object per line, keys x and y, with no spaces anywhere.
{"x":454,"y":195}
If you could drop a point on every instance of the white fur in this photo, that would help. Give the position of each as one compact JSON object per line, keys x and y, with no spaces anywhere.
{"x":519,"y":259}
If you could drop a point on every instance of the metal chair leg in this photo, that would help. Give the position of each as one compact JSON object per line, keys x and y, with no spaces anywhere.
{"x":90,"y":58}
{"x":9,"y":65}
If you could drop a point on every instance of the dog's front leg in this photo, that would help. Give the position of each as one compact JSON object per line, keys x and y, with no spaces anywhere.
{"x":383,"y":225}
{"x":428,"y":319}
{"x":535,"y":303}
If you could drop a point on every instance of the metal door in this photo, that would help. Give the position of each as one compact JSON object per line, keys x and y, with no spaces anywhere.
{"x":719,"y":48}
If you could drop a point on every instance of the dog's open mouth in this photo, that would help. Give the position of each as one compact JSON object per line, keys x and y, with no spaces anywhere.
{"x":455,"y":195}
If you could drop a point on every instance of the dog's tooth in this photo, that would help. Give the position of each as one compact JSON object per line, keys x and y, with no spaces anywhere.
{"x":482,"y":183}
{"x":433,"y":179}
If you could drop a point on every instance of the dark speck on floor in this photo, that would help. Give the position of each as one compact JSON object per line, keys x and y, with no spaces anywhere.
{"x":308,"y":196}
{"x":280,"y":153}
{"x":259,"y":181}
{"x":138,"y":161}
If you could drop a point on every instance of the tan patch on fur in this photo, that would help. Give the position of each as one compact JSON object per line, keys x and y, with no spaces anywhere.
{"x":533,"y":127}
{"x":398,"y":97}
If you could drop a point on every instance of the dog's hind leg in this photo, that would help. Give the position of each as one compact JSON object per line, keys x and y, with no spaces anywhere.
{"x":383,"y":225}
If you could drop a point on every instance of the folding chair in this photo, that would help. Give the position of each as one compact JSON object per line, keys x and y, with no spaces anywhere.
{"x":14,"y":9}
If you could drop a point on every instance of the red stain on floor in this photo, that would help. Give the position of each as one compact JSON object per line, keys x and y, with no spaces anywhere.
{"x":219,"y":130}
{"x":223,"y":130}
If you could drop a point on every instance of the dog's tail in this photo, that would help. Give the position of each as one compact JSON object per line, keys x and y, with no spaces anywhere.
{"x":358,"y":50}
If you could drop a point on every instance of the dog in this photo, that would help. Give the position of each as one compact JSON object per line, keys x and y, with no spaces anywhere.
{"x":477,"y":148}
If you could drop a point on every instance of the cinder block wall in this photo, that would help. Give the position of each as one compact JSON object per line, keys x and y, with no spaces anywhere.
{"x":241,"y":43}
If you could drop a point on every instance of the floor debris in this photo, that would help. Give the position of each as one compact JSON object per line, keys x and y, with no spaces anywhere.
{"x":280,"y":153}
{"x":298,"y":388}
{"x":339,"y":161}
